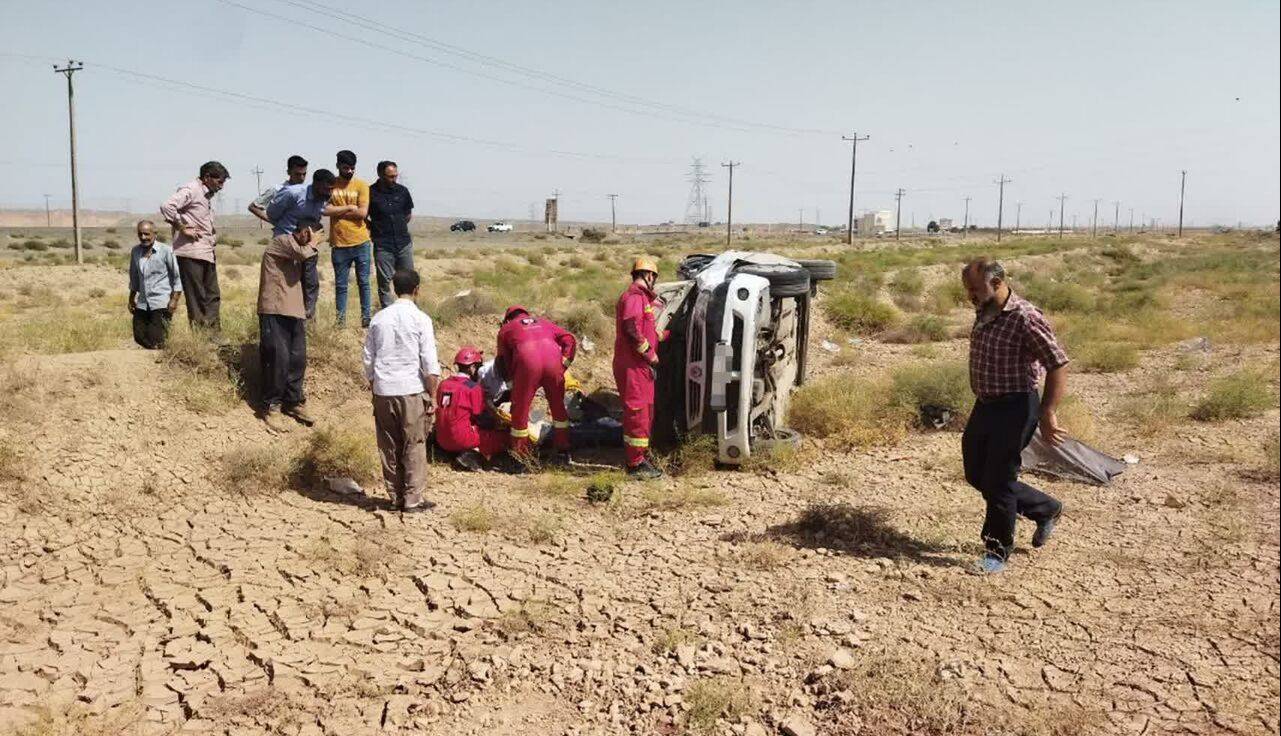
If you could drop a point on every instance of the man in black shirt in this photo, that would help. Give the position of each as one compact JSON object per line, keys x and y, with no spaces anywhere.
{"x":390,"y":210}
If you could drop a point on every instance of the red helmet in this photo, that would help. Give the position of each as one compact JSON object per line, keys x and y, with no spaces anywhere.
{"x":512,"y":311}
{"x":468,"y":355}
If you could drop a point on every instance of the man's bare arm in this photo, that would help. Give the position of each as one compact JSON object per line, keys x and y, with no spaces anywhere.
{"x":1055,"y":387}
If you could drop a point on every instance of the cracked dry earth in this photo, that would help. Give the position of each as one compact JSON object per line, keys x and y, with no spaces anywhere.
{"x":137,"y":588}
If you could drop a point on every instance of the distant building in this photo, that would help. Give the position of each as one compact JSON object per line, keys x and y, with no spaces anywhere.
{"x":875,"y":223}
{"x":945,"y":223}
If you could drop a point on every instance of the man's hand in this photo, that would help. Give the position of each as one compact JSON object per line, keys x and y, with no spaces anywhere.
{"x":565,"y":363}
{"x":653,"y":360}
{"x":189,"y":232}
{"x":132,"y":307}
{"x":1051,"y":432}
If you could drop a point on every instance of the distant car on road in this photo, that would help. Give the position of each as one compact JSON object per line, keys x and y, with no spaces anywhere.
{"x":465,"y":226}
{"x":500,"y":227}
{"x":820,"y":231}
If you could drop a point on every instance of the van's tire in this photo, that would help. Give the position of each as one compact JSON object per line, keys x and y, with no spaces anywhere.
{"x":784,"y":439}
{"x":784,"y":281}
{"x":820,"y":270}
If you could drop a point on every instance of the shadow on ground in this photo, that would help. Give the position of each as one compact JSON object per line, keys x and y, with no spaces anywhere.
{"x":856,"y":531}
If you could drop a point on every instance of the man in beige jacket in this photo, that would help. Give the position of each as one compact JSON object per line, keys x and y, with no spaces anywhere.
{"x":282,"y":325}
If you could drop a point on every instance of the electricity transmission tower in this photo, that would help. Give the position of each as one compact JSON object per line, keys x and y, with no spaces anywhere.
{"x":1062,"y":198}
{"x":613,"y":215}
{"x":1183,"y":183}
{"x":965,"y":224}
{"x":68,"y":71}
{"x":1018,"y":215}
{"x":1094,"y":225}
{"x":257,"y":172}
{"x":696,"y":205}
{"x":1116,"y":217}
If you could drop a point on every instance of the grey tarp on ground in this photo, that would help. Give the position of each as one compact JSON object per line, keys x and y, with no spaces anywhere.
{"x":1071,"y":460}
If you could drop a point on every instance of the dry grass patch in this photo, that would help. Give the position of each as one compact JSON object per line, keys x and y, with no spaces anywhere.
{"x":921,"y":328}
{"x":78,"y":720}
{"x":1154,"y":409}
{"x":1105,"y":356}
{"x":196,"y":375}
{"x":364,"y":557}
{"x":533,"y":617}
{"x":681,"y":498}
{"x":922,"y":387}
{"x":765,"y":555}
{"x":1076,"y":418}
{"x":694,"y":457}
{"x":477,"y":519}
{"x":669,"y":639}
{"x":709,"y":699}
{"x":1238,"y":395}
{"x":256,"y":469}
{"x":846,"y":412}
{"x":544,"y":528}
{"x":1271,"y":469}
{"x":336,"y":452}
{"x":860,"y":313}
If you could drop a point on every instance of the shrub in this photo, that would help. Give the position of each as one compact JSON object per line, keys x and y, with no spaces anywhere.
{"x":583,"y":319}
{"x":1235,"y":396}
{"x":1272,"y":457}
{"x":62,"y":244}
{"x":1058,"y":296}
{"x":921,"y":328}
{"x":111,"y":231}
{"x":536,"y":259}
{"x":709,"y":700}
{"x":860,"y":313}
{"x":253,"y":469}
{"x":944,"y":385}
{"x":1153,"y":410}
{"x":1105,"y":357}
{"x":112,"y":244}
{"x":469,"y":303}
{"x":476,"y":518}
{"x":848,"y":412}
{"x":908,"y":283}
{"x":231,"y":242}
{"x":591,"y":235}
{"x":333,"y":452}
{"x":34,"y":245}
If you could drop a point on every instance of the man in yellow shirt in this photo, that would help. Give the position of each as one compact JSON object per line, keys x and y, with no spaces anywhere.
{"x":349,"y":236}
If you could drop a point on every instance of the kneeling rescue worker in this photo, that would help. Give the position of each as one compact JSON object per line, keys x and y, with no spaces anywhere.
{"x":636,"y":364}
{"x":460,"y":413}
{"x":534,"y":353}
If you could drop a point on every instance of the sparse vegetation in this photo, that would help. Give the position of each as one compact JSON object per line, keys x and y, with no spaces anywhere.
{"x":710,"y":699}
{"x":941,"y":385}
{"x":255,"y":469}
{"x":1105,"y":357}
{"x":860,"y":313}
{"x":338,"y":452}
{"x":477,"y":518}
{"x":681,"y":498}
{"x":848,"y":412}
{"x":1235,"y":396}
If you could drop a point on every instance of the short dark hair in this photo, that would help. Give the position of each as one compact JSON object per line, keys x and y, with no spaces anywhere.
{"x":382,"y":166}
{"x":346,"y":157}
{"x":405,"y":281}
{"x":296,"y":162}
{"x":323,"y":176}
{"x":214,"y":169}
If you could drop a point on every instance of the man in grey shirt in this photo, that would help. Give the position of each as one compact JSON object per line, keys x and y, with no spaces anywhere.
{"x":296,"y":169}
{"x":154,"y":287}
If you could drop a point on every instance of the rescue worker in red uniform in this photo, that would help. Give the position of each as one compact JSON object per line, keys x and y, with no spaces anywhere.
{"x":534,"y":353}
{"x":461,"y":410}
{"x":636,"y":364}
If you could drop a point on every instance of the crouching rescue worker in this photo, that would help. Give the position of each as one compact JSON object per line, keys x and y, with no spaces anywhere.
{"x":403,"y":373}
{"x":533,"y":353}
{"x":636,"y":364}
{"x":461,"y":411}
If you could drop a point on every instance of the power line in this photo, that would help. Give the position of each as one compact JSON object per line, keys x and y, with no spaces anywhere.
{"x":627,"y":103}
{"x":69,"y":71}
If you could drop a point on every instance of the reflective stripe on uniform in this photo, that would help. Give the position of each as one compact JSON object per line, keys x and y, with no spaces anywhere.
{"x":643,"y":348}
{"x":520,"y":432}
{"x":636,"y":441}
{"x":561,"y":425}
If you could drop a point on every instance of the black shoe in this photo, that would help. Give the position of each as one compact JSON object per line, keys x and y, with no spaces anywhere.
{"x":644,"y":471}
{"x":420,"y":508}
{"x":469,"y":460}
{"x":562,"y":459}
{"x":1044,"y":529}
{"x":505,"y":463}
{"x":364,"y":323}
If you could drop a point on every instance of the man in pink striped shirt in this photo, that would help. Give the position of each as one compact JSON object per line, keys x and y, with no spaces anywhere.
{"x":190,"y":213}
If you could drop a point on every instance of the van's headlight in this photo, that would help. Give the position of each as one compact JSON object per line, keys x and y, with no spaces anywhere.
{"x":733,"y":451}
{"x":743,"y":294}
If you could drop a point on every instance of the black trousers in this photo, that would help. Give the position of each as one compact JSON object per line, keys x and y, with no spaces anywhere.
{"x":200,"y":292}
{"x":151,"y":327}
{"x":282,"y":351}
{"x":995,"y":436}
{"x":310,"y":285}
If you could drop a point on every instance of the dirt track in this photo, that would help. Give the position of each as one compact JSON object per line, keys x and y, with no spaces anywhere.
{"x":133,"y":582}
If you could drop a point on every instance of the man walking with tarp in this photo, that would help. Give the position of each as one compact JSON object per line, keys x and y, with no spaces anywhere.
{"x":1011,"y":345}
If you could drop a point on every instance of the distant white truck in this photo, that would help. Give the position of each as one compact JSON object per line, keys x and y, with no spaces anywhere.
{"x":499,"y":227}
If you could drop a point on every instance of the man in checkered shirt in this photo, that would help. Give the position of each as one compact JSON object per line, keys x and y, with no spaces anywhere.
{"x":1011,"y":346}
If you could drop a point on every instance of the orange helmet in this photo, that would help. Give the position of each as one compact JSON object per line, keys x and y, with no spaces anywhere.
{"x":645,"y":264}
{"x":468,"y":355}
{"x":512,"y":311}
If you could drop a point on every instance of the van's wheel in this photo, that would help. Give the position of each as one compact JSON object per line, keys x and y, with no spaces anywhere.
{"x":784,"y":281}
{"x":820,"y":270}
{"x":784,"y":440}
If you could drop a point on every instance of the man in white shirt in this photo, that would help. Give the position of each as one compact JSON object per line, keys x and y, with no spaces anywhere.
{"x":403,"y":372}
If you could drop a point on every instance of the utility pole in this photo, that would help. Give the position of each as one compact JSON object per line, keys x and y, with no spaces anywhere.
{"x":849,"y":225}
{"x":1183,"y":184}
{"x":1094,"y":226}
{"x":898,"y":211}
{"x":1116,"y":218}
{"x":1018,"y":215}
{"x":729,"y":210}
{"x":68,"y":71}
{"x":1000,"y":204}
{"x":965,"y":226}
{"x":257,"y":172}
{"x":613,"y":216}
{"x":556,"y":199}
{"x":1062,"y":199}
{"x":1131,"y":219}
{"x":48,"y":217}
{"x":800,"y":219}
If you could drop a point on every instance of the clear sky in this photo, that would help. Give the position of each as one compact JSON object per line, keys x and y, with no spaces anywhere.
{"x":1105,"y":100}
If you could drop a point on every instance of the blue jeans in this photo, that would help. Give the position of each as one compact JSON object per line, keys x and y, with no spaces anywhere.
{"x":388,"y":259}
{"x":342,"y":259}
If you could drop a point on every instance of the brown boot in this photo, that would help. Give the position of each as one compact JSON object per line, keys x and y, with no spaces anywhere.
{"x":299,"y":414}
{"x":275,"y":423}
